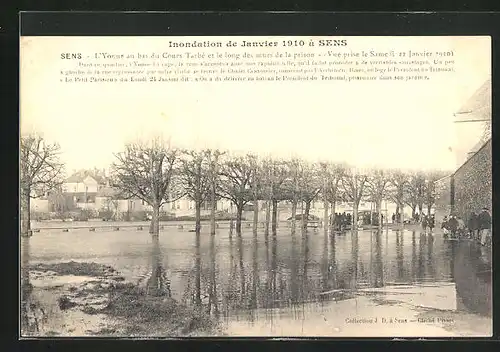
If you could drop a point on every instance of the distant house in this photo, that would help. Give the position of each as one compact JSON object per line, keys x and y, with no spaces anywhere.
{"x":108,"y":198}
{"x":82,"y":187}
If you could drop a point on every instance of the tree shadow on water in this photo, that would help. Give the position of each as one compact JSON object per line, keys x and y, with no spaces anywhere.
{"x":472,"y":271}
{"x":32,"y":314}
{"x":158,"y":283}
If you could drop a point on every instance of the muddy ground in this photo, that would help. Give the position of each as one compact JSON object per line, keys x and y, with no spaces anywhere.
{"x":89,"y":299}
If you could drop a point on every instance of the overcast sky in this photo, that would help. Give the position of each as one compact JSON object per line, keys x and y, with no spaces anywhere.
{"x":385,"y":124}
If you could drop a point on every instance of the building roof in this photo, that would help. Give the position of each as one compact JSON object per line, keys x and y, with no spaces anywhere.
{"x":80,"y":175}
{"x":479,"y":104}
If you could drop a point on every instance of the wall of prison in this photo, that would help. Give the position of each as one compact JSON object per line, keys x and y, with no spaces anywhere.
{"x":472,"y":183}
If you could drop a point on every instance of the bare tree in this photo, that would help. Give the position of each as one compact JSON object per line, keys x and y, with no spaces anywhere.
{"x":215,"y":156}
{"x":257,"y":188}
{"x":196,"y":179}
{"x":149,"y":172}
{"x":415,"y":192}
{"x":40,"y":172}
{"x":278,"y":174}
{"x":61,"y":204}
{"x":267,"y":189}
{"x":333,"y":176}
{"x":430,"y":188}
{"x":353,"y":184}
{"x":235,"y":185}
{"x":377,"y":187}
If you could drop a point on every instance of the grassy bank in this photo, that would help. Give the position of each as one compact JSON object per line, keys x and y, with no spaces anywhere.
{"x":97,"y":293}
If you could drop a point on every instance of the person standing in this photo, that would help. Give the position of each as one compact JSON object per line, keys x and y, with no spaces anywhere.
{"x":484,"y":222}
{"x":431,"y":222}
{"x":393,"y":218}
{"x":453,"y":226}
{"x":424,"y":223}
{"x":472,"y":225}
{"x":444,"y":227}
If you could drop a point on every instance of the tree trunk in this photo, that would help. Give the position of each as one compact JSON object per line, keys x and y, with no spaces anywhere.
{"x":155,"y":283}
{"x":25,"y":214}
{"x":354,"y":222}
{"x":401,"y":213}
{"x":275,"y":217}
{"x":325,"y":216}
{"x":413,"y":211}
{"x":239,"y":213}
{"x":154,"y":229}
{"x":197,"y":227}
{"x":378,"y":207}
{"x":429,"y":207}
{"x":213,"y":199}
{"x":305,"y":216}
{"x":255,"y":216}
{"x":212,"y":214}
{"x":294,"y":215}
{"x":268,"y":216}
{"x":420,"y":208}
{"x":197,"y":298}
{"x":332,"y":221}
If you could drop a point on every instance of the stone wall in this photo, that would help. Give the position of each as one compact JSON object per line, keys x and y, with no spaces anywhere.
{"x":471,"y":185}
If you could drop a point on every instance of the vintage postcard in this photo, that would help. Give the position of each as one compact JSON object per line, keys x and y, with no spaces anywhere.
{"x":255,"y":186}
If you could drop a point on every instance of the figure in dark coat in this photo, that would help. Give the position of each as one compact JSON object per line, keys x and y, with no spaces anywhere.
{"x":472,"y":225}
{"x":484,"y":226}
{"x":445,"y":227}
{"x":453,"y":226}
{"x":424,"y":223}
{"x":431,"y":222}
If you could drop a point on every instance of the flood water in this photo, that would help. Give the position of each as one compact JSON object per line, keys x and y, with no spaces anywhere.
{"x":252,"y":282}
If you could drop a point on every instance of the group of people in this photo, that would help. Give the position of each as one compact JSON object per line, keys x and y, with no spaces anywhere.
{"x":341,"y":221}
{"x":478,"y":226}
{"x":428,"y":222}
{"x":396,"y":217}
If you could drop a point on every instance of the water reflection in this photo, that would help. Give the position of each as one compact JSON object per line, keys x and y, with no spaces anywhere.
{"x":472,"y":273}
{"x":26,"y":287}
{"x":213,"y":307}
{"x":33,"y":315}
{"x":158,"y":283}
{"x":379,"y":265}
{"x":248,"y":277}
{"x":288,"y":271}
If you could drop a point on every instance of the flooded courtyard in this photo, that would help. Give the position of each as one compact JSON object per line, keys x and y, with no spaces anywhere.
{"x":365,"y":283}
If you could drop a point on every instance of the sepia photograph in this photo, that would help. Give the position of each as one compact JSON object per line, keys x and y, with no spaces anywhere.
{"x":240,"y":186}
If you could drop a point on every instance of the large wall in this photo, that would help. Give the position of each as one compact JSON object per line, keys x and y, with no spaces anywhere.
{"x":472,"y":183}
{"x":444,"y":197}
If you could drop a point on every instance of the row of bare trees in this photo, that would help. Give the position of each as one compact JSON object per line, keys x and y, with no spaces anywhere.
{"x":158,"y":173}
